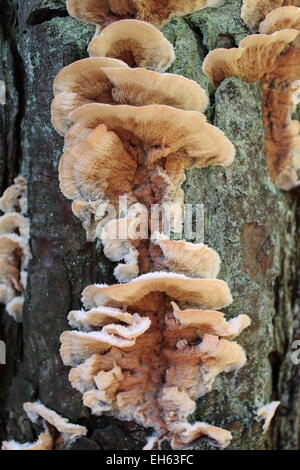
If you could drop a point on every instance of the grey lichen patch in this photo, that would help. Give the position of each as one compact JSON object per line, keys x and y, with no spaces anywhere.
{"x":215,"y":23}
{"x":74,"y":36}
{"x":188,"y":49}
{"x":45,"y":10}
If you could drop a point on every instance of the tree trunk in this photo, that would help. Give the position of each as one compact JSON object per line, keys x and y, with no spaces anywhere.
{"x":252,"y":224}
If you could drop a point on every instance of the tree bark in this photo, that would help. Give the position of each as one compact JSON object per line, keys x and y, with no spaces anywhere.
{"x":253,"y":225}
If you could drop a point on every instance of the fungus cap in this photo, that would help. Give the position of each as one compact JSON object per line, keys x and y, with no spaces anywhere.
{"x":70,"y":432}
{"x":7,"y":293}
{"x":208,"y":293}
{"x":159,"y":13}
{"x":177,"y":406}
{"x":14,"y":257}
{"x":254,"y":11}
{"x":196,"y":367}
{"x":82,"y":376}
{"x":100,"y":316}
{"x":117,"y":245}
{"x":219,"y":355}
{"x":85,"y":77}
{"x":80,"y":83}
{"x":135,"y":42}
{"x":15,"y":308}
{"x":103,"y":12}
{"x":11,"y":243}
{"x":14,"y":198}
{"x":195,"y":260}
{"x":13,"y":222}
{"x":188,"y":433}
{"x":281,"y":18}
{"x":86,"y":213}
{"x":139,"y":87}
{"x":44,"y":442}
{"x":78,"y":346}
{"x":96,"y":167}
{"x":107,"y":382}
{"x":162,"y":130}
{"x":210,"y":322}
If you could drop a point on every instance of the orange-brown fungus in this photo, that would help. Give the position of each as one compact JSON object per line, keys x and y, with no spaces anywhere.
{"x":157,"y":12}
{"x":149,"y":148}
{"x":101,"y":12}
{"x":274,"y":61}
{"x":106,"y":80}
{"x":58,"y":432}
{"x":135,"y":353}
{"x":281,"y":18}
{"x":136,"y":43}
{"x":153,"y":365}
{"x":254,"y":11}
{"x":138,"y":152}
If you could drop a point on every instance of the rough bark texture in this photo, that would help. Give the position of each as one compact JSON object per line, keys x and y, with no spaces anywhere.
{"x":253,"y":226}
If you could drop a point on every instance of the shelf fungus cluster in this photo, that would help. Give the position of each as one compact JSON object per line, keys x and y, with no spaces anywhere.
{"x":147,"y":348}
{"x":14,"y":248}
{"x":130,"y":132}
{"x":56,"y":432}
{"x":158,"y":13}
{"x":273,"y":59}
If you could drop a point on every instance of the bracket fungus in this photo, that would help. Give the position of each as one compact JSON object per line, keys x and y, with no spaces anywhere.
{"x":14,"y":198}
{"x":121,"y":242}
{"x":281,"y":18}
{"x":139,"y":87}
{"x":253,"y":12}
{"x":110,"y":81}
{"x":57,"y":433}
{"x":149,"y":148}
{"x":103,"y":12}
{"x":43,"y":442}
{"x":79,"y":83}
{"x":136,"y":43}
{"x":277,"y":69}
{"x":161,"y":130}
{"x":266,"y":413}
{"x":134,"y":346}
{"x":14,"y":248}
{"x":191,"y":259}
{"x":134,"y":352}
